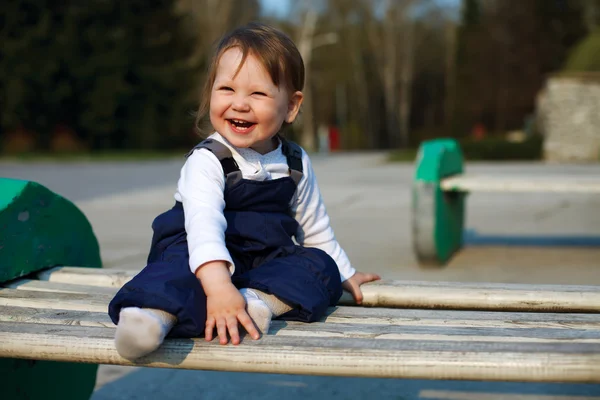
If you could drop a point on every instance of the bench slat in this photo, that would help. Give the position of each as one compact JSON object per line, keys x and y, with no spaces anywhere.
{"x":414,"y":294}
{"x":490,"y":183}
{"x":514,"y":319}
{"x":566,"y":362}
{"x":84,"y":276}
{"x":54,"y":301}
{"x":340,"y":314}
{"x":505,"y":333}
{"x":58,"y":287}
{"x":509,"y":297}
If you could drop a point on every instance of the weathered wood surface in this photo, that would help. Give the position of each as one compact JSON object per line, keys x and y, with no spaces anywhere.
{"x":491,"y":183}
{"x":56,"y":320}
{"x":568,"y":362}
{"x":500,"y":331}
{"x":411,"y":294}
{"x":56,"y":287}
{"x":79,"y":276}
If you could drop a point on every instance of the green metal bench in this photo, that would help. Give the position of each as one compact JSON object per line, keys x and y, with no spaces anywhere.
{"x":54,"y":327}
{"x":439,"y":193}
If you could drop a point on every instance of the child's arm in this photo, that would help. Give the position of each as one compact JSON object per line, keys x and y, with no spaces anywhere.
{"x":200,"y":188}
{"x":225,"y":305}
{"x":315,"y":230}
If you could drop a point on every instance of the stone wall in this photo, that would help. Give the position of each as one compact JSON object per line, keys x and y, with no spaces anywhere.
{"x":568,"y":115}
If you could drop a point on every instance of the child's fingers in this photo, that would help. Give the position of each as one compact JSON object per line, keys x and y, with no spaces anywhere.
{"x":354,"y":289}
{"x":222,"y":330}
{"x":247,"y":323}
{"x":357,"y":294}
{"x":232,"y":326}
{"x":209,"y":329}
{"x":366,"y":277}
{"x":371,"y":277}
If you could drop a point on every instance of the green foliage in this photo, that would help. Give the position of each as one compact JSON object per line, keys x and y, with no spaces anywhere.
{"x":402,"y":155}
{"x":585,"y":57}
{"x":119,"y":73}
{"x":488,"y":149}
{"x":500,"y":149}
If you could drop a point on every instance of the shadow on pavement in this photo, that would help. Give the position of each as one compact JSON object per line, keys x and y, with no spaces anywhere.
{"x":159,"y":384}
{"x":472,"y":238}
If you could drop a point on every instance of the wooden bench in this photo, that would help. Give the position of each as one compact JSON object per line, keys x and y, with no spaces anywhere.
{"x":440,"y":188}
{"x":54,"y":326}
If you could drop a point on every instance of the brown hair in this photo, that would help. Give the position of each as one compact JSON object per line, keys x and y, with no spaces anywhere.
{"x":276,"y":52}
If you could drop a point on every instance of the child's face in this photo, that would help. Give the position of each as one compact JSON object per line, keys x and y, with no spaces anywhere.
{"x":249,"y":110}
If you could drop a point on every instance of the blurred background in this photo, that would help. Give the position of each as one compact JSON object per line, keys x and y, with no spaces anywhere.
{"x":511,"y":79}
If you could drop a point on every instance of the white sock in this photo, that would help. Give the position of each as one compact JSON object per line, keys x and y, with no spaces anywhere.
{"x":276,"y":306}
{"x":141,"y":331}
{"x":262,"y":307}
{"x":258,"y":310}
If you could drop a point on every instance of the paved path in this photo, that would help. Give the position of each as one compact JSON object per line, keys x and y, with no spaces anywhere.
{"x":369,"y":203}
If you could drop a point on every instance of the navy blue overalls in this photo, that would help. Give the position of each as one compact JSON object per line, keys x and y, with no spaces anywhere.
{"x":259,"y":238}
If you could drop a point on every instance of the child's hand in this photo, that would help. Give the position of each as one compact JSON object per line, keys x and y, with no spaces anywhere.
{"x":352,"y":284}
{"x":224,"y":309}
{"x":225,"y":305}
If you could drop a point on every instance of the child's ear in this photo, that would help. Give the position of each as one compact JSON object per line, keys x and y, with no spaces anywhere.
{"x":294,"y":106}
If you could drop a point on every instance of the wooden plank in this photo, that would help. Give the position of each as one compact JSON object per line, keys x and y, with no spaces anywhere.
{"x":391,"y":316}
{"x":476,"y":296}
{"x":82,"y":276}
{"x":57,"y":287}
{"x":55,"y":317}
{"x":491,"y":183}
{"x":420,"y":359}
{"x":54,"y":301}
{"x":340,"y":314}
{"x":343,"y":330}
{"x":412,"y":294}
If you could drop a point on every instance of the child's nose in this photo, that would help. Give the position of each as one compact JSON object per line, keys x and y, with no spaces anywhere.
{"x":240,"y":103}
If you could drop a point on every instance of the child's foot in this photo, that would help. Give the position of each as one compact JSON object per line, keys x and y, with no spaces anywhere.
{"x":276,"y":306}
{"x":262,"y":307}
{"x":258,"y":310}
{"x":141,"y":331}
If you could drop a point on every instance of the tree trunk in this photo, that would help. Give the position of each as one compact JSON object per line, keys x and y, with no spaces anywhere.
{"x":406,"y":80}
{"x":305,"y":44}
{"x":450,"y":73}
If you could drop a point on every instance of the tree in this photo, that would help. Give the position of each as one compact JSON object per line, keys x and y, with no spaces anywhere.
{"x":118,"y":73}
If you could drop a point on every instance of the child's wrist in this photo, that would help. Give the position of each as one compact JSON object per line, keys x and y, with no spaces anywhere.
{"x":213,"y":275}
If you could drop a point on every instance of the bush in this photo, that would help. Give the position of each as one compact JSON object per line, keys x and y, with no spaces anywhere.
{"x":500,"y":149}
{"x":585,"y":57}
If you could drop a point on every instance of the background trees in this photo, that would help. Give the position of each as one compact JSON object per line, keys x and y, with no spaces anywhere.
{"x":386,"y":73}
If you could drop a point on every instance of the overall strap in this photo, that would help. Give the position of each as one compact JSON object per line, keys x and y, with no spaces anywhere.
{"x":231,"y":170}
{"x":293,"y":154}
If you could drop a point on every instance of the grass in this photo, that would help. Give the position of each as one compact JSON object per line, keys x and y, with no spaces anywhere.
{"x":402,"y":155}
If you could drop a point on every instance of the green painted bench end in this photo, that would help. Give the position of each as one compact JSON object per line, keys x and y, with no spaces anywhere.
{"x":41,"y":229}
{"x":437,"y":217}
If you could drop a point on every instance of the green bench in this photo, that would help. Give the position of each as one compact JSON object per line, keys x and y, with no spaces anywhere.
{"x":439,"y":192}
{"x":55,"y":331}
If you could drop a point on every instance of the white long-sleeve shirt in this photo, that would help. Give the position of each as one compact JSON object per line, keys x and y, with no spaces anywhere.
{"x":200,"y":189}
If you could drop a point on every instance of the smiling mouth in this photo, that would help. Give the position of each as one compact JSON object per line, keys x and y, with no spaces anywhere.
{"x":241,"y":125}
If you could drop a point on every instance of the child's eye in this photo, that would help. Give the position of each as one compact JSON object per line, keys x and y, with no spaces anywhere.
{"x":226,"y":88}
{"x":260,"y":93}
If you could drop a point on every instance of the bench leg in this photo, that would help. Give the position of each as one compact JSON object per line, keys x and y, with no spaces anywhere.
{"x":437,"y":216}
